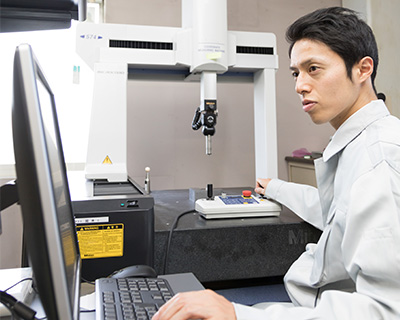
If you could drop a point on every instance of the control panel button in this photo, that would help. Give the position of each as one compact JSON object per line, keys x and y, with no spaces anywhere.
{"x":246,"y":193}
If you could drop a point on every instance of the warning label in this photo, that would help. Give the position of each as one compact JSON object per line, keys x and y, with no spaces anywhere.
{"x":107,"y":160}
{"x":101,"y":241}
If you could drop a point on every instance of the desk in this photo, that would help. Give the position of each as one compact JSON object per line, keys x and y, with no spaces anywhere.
{"x":228,"y":249}
{"x":178,"y":282}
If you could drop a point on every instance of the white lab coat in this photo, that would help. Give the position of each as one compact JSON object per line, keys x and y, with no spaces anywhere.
{"x":353,"y":272}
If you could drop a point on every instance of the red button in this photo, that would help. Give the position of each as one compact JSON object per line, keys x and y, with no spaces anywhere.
{"x":246,"y":193}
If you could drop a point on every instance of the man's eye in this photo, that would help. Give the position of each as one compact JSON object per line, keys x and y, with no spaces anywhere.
{"x":313,"y":68}
{"x":295,"y":74}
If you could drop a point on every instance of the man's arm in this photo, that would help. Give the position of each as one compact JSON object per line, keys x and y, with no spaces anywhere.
{"x":302,"y":199}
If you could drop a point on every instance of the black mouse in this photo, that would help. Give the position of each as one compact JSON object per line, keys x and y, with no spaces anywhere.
{"x":138,"y":271}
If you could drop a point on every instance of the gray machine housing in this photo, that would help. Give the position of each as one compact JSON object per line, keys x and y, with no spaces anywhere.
{"x":109,"y":203}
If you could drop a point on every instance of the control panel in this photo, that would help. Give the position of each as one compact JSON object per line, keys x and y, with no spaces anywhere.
{"x":237,"y":206}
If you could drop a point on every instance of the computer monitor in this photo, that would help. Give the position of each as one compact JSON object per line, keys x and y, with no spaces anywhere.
{"x":48,"y":223}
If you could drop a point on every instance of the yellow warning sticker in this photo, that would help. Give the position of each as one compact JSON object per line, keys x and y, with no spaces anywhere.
{"x":107,"y":160}
{"x":101,"y":241}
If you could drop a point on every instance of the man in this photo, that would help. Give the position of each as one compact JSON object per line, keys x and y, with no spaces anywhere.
{"x":353,"y":272}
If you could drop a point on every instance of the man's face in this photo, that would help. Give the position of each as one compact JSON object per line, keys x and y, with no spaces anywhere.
{"x":327,"y":93}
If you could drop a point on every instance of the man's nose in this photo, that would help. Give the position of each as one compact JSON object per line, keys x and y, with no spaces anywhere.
{"x":302,"y":84}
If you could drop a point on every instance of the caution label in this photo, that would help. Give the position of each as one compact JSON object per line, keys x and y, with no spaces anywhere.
{"x":107,"y":160}
{"x":101,"y":241}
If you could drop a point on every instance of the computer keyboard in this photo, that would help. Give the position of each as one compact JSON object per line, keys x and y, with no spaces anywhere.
{"x":130,"y":298}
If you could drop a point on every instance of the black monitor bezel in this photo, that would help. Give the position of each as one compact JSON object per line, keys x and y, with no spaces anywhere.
{"x":35,"y":188}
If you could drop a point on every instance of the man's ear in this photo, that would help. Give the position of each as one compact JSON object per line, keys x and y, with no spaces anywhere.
{"x":365,"y":67}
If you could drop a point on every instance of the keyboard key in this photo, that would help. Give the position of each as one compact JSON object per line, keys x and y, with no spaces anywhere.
{"x":135,"y":299}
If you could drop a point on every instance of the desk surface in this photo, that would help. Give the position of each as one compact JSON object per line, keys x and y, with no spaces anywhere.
{"x":178,"y":282}
{"x":170,"y":203}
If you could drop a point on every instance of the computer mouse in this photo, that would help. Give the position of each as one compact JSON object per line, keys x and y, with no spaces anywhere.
{"x":137,"y":271}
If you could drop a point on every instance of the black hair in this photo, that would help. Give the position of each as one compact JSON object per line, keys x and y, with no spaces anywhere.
{"x":342,"y":30}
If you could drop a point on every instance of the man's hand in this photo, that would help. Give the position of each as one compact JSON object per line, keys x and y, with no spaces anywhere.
{"x":205,"y":304}
{"x":261,"y":186}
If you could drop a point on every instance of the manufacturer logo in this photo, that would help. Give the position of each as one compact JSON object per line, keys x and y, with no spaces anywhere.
{"x":91,"y":37}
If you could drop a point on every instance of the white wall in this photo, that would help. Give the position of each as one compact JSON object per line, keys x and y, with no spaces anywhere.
{"x":385,"y":23}
{"x":55,"y":51}
{"x":160,"y":113}
{"x":383,"y":18}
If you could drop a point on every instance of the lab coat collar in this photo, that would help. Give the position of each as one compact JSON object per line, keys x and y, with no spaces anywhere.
{"x":354,"y":125}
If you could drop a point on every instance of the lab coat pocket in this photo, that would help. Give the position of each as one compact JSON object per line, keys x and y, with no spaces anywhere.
{"x":317,"y":277}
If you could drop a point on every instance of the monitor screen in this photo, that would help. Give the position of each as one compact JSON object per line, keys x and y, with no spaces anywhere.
{"x":49,"y":227}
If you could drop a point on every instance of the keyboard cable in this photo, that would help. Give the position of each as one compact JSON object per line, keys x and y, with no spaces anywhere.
{"x":174,"y":225}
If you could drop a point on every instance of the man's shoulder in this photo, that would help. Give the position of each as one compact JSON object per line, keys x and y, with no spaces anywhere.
{"x":379,"y":141}
{"x":384,"y":130}
{"x":383,"y":141}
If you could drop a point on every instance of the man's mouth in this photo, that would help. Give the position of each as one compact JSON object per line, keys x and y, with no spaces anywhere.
{"x":308,"y":105}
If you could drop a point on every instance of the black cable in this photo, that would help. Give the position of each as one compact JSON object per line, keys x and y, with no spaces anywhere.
{"x":17,"y":308}
{"x":21,"y":310}
{"x":87,"y":281}
{"x":175,"y":223}
{"x":7,"y":300}
{"x":87,"y":310}
{"x":15,"y":284}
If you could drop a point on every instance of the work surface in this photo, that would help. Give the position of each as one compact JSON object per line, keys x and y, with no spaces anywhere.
{"x":226,"y":249}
